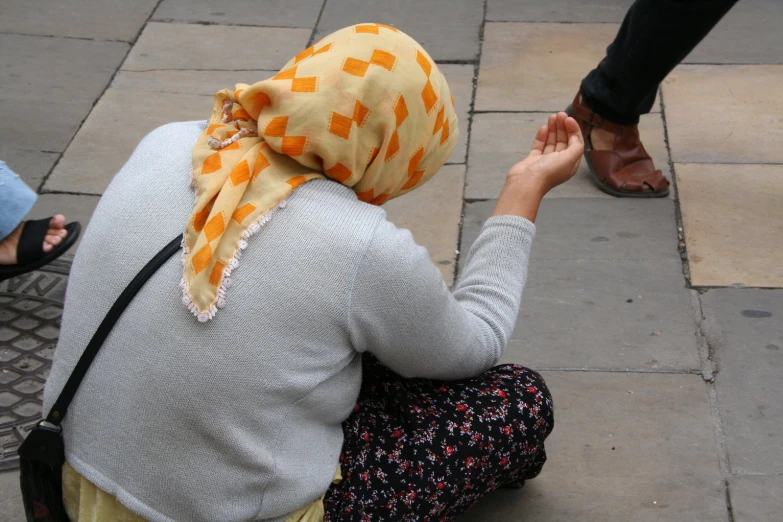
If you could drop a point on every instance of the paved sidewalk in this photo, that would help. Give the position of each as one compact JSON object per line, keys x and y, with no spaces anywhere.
{"x":658,"y":324}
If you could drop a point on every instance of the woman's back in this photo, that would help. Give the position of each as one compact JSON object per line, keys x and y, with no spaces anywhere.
{"x":232,"y":419}
{"x":239,"y":417}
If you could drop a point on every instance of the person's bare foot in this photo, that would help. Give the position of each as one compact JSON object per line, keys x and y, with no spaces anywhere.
{"x":54,"y":236}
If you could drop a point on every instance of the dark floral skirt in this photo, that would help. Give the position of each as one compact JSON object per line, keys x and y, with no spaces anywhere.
{"x":419,"y":449}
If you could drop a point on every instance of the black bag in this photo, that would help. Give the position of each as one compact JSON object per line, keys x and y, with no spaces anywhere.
{"x":42,"y":454}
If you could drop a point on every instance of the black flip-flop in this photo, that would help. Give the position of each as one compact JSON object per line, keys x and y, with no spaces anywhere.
{"x":29,"y":252}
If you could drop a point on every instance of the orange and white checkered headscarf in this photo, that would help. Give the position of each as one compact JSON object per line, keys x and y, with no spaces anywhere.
{"x":366,"y":106}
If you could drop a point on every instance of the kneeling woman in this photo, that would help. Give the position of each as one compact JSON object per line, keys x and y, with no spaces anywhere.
{"x":328,"y":373}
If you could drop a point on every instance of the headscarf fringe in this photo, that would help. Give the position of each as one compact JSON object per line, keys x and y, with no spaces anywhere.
{"x":217,"y":144}
{"x":225,"y":281}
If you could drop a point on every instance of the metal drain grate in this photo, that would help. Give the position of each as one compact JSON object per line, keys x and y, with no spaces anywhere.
{"x":30,"y":309}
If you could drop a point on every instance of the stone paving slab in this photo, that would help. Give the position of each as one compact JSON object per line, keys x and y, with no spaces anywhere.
{"x":94,"y":19}
{"x":733,"y":221}
{"x":448,"y":30}
{"x":270,"y":13}
{"x":749,"y":33}
{"x":31,"y":165}
{"x":214,"y":47}
{"x":11,"y":508}
{"x":499,"y":140}
{"x":625,"y":447}
{"x":460,"y":79}
{"x":745,"y":327}
{"x":557,"y":11}
{"x":432,"y":214}
{"x":576,"y":314}
{"x":725,"y":114}
{"x":756,"y":499}
{"x":49,"y":87}
{"x":581,"y":229}
{"x":589,"y":259}
{"x":755,"y":23}
{"x":538,"y":66}
{"x":108,"y":137}
{"x":205,"y":83}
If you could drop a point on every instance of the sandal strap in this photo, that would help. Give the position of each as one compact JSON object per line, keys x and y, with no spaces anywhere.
{"x":593,"y":120}
{"x":630,"y":173}
{"x":636,"y":178}
{"x":30,"y":247}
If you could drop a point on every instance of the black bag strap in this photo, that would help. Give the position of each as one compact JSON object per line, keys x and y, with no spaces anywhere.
{"x":60,"y":408}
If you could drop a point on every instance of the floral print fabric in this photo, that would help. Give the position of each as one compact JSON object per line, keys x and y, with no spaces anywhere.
{"x":419,"y":449}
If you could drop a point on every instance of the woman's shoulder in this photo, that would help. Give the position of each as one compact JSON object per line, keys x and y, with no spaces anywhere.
{"x":171,"y":134}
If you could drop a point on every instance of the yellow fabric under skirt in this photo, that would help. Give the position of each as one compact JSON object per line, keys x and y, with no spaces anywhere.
{"x":84,"y":502}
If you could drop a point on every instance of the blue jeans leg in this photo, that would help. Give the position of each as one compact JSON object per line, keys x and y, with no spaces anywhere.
{"x":16,"y":200}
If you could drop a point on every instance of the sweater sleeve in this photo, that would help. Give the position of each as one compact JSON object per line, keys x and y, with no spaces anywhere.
{"x":402,"y":312}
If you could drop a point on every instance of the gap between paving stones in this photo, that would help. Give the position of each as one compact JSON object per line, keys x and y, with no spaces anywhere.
{"x":471,"y":112}
{"x":705,"y":330}
{"x":682,"y":244}
{"x":729,"y":509}
{"x":552,"y":22}
{"x":222,"y":24}
{"x":158,"y":69}
{"x":706,"y":352}
{"x":706,"y":341}
{"x":456,"y":62}
{"x":540,"y":111}
{"x":752,"y":474}
{"x":617,"y":370}
{"x":68,"y":193}
{"x":69,"y":37}
{"x":311,"y":40}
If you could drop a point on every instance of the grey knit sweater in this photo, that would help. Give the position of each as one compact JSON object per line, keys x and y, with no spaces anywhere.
{"x":239,"y":418}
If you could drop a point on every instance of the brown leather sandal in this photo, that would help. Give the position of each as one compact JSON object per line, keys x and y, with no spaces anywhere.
{"x":626,"y":171}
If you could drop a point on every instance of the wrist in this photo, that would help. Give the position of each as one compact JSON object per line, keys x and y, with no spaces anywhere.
{"x":520,"y":197}
{"x":530,"y":185}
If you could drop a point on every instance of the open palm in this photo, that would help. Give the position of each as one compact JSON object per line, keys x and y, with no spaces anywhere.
{"x":556,"y":152}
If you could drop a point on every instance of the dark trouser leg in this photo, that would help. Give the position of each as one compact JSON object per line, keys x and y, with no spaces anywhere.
{"x":655,"y":36}
{"x":418,"y":449}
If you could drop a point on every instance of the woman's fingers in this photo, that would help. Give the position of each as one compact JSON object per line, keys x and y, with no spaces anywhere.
{"x":576,"y":144}
{"x":540,"y":140}
{"x":572,"y":128}
{"x":562,"y":135}
{"x":551,"y":138}
{"x":575,"y":148}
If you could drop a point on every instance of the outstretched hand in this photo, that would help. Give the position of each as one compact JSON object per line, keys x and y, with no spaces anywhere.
{"x":553,"y":159}
{"x":555,"y":155}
